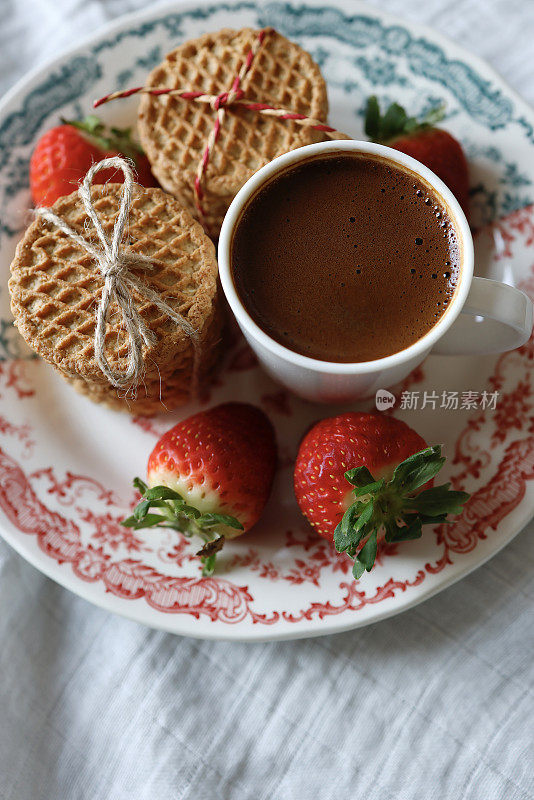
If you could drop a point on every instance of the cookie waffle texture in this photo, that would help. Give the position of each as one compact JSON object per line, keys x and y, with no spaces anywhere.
{"x":162,"y":393}
{"x":55,"y":287}
{"x":174,"y":131}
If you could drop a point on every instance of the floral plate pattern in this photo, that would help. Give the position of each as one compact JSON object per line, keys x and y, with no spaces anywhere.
{"x":63,"y":489}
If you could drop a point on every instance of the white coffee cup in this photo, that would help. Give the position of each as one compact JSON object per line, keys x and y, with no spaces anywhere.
{"x":484,"y":316}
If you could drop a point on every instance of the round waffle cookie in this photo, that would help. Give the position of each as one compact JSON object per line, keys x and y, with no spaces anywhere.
{"x":174,"y":131}
{"x":56,"y":285}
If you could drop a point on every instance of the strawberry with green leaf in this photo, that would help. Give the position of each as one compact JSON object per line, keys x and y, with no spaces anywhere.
{"x":209,"y":476}
{"x":421,"y":139}
{"x":362,"y":477}
{"x":64,"y":154}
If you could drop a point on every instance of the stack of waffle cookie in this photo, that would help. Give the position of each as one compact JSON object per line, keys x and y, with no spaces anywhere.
{"x":174,"y":131}
{"x":56,"y":286}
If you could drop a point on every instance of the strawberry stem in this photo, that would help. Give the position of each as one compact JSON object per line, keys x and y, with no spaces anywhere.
{"x":107,"y":139}
{"x":383,"y":128}
{"x":395,"y":507}
{"x":173,"y":512}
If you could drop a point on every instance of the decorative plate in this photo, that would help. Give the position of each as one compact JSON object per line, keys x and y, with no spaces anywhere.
{"x":66,"y":465}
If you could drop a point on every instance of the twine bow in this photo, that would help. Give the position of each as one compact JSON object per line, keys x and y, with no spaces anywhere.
{"x":235,"y":96}
{"x":114,"y":264}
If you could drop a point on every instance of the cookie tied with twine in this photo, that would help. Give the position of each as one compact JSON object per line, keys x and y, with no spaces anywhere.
{"x":222,"y":106}
{"x":116,"y":287}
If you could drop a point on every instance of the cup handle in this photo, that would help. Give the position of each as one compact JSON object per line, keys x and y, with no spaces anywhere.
{"x":496,"y":317}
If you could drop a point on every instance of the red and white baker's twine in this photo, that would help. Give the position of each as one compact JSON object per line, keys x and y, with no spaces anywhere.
{"x":220,"y":103}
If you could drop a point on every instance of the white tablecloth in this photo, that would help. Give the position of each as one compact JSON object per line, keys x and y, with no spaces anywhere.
{"x":436,"y":703}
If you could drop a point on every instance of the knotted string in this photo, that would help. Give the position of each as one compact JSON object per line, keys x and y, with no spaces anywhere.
{"x":220,"y":103}
{"x":114,"y":264}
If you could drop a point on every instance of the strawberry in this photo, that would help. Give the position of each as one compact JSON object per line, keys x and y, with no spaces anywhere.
{"x":433,"y":147}
{"x":63,"y":155}
{"x":210,"y":475}
{"x":358,"y":476}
